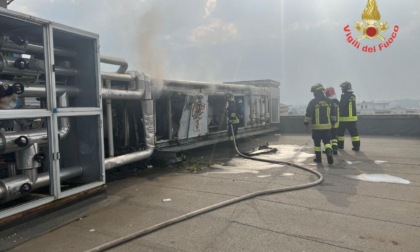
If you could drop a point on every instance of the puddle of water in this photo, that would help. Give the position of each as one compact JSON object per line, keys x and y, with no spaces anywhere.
{"x":380,"y":178}
{"x":380,"y":162}
{"x":287,"y":174}
{"x":238,"y":165}
{"x":287,"y":152}
{"x":353,"y":162}
{"x":284,"y":153}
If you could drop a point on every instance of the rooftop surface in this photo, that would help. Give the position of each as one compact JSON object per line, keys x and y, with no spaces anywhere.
{"x":342,"y":214}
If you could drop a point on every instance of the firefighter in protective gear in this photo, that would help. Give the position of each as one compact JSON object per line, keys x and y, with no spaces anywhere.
{"x":335,"y":105}
{"x":232,"y":116}
{"x":320,"y":115}
{"x":348,"y":117}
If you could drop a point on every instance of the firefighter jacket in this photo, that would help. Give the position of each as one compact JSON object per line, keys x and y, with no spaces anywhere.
{"x":335,"y":105}
{"x":232,"y":112}
{"x":320,"y":114}
{"x":348,"y":111}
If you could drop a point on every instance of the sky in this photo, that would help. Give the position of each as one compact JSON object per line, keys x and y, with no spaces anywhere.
{"x":296,"y":42}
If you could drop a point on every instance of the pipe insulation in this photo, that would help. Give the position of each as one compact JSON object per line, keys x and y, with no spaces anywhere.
{"x":39,"y":136}
{"x":214,"y":85}
{"x":115,"y":61}
{"x":192,"y":214}
{"x":135,"y":78}
{"x":142,"y":83}
{"x":10,"y":187}
{"x":109,"y":122}
{"x":37,"y":90}
{"x":8,"y":44}
{"x":32,"y":67}
{"x":33,"y":90}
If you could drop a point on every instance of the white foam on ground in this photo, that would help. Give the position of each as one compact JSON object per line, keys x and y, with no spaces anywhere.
{"x":380,"y":162}
{"x":263,"y":176}
{"x":287,"y":153}
{"x":353,"y":162}
{"x":380,"y":178}
{"x":238,"y":165}
{"x":287,"y":174}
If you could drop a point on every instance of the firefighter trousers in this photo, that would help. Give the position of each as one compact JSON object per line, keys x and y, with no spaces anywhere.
{"x":352,"y":128}
{"x":334,"y":140}
{"x":325,"y":137}
{"x":233,"y":134}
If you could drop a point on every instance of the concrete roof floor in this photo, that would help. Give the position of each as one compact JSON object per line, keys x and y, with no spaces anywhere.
{"x":341,"y":214}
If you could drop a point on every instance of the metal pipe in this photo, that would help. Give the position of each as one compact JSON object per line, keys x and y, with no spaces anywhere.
{"x":35,"y":48}
{"x":39,"y":136}
{"x":7,"y":44}
{"x":26,"y":162}
{"x":200,"y":84}
{"x":262,"y":110}
{"x":116,"y":94}
{"x":39,"y":90}
{"x":117,"y":77}
{"x":138,"y":80}
{"x":127,"y":158}
{"x":65,"y":174}
{"x":115,"y":61}
{"x":65,"y":71}
{"x":63,"y":102}
{"x":33,"y":67}
{"x":267,"y":108}
{"x":10,"y":188}
{"x":149,"y":129}
{"x":126,"y":125}
{"x":7,"y":139}
{"x":109,"y":122}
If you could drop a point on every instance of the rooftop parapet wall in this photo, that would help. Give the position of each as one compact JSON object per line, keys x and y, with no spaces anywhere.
{"x":380,"y":125}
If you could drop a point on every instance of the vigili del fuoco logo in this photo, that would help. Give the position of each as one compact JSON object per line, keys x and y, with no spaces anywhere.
{"x":371,"y":29}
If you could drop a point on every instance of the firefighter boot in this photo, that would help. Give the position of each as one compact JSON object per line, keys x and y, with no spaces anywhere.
{"x":330,"y":156}
{"x":334,"y":144}
{"x":318,"y":158}
{"x":340,"y":143}
{"x":335,"y":148}
{"x":356,"y":146}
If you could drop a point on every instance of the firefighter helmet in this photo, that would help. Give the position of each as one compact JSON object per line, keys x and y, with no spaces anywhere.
{"x":346,"y":86}
{"x":317,"y":87}
{"x":329,"y":91}
{"x":229,"y":96}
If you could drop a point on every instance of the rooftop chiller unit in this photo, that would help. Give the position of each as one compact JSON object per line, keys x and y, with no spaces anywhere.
{"x":63,"y":122}
{"x":51,"y":139}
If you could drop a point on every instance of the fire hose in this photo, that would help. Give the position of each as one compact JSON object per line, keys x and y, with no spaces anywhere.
{"x":192,"y":214}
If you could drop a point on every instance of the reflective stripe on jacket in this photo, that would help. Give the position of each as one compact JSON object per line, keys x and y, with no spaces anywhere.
{"x":231,"y":112}
{"x":348,"y":111}
{"x":319,"y":114}
{"x":335,"y":105}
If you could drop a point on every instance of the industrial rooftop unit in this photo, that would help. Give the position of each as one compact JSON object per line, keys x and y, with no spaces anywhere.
{"x":64,"y":122}
{"x":51,"y":112}
{"x":192,"y":114}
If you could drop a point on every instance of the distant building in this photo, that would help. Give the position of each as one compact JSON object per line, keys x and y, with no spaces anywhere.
{"x":373,"y":108}
{"x":284,"y":110}
{"x":383,"y":108}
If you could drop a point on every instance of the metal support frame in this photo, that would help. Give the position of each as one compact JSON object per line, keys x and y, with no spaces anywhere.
{"x":52,"y":113}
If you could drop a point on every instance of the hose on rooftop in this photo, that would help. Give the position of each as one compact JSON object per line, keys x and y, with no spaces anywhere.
{"x":192,"y":214}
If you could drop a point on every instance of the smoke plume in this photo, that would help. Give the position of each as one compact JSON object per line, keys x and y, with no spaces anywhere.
{"x":149,"y":55}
